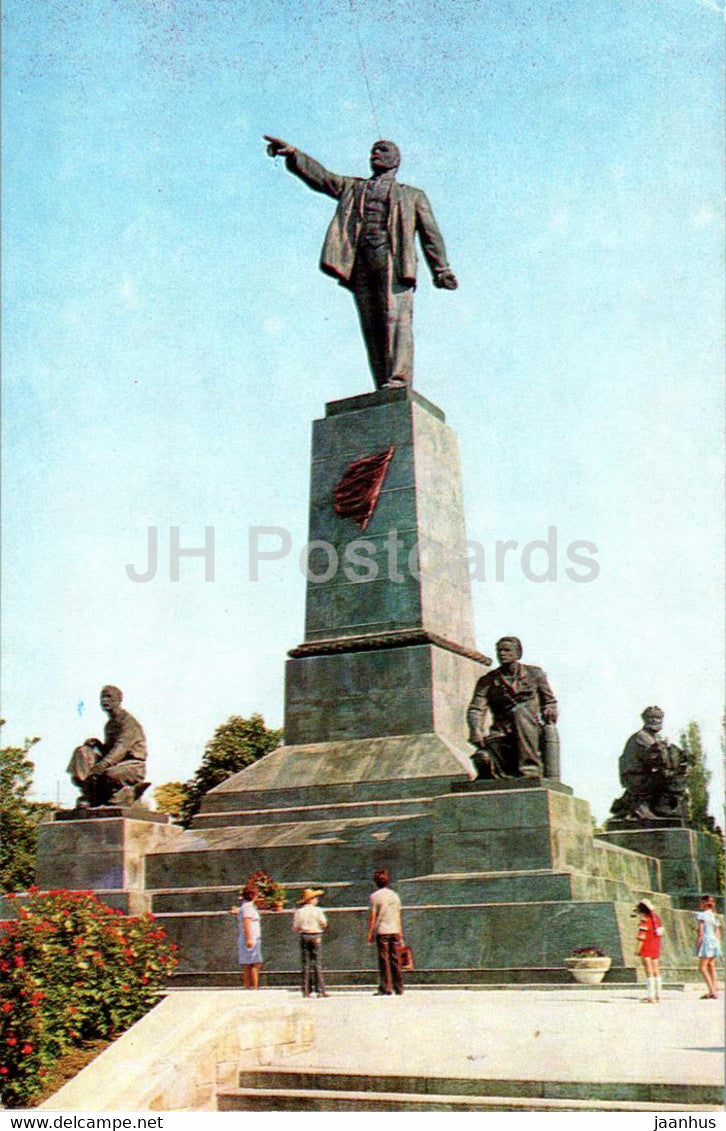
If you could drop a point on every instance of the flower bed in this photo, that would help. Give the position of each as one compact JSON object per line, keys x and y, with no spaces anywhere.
{"x":72,"y":969}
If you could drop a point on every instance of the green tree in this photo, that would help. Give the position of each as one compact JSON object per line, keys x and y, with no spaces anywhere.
{"x":19,"y":817}
{"x":235,"y":745}
{"x":170,"y":798}
{"x":697,"y":779}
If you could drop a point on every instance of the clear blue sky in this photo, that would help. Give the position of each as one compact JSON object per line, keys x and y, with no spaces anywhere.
{"x":168,"y":340}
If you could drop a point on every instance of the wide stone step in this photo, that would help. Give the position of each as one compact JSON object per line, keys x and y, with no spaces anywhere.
{"x":528,"y":885}
{"x":415,"y":806}
{"x":319,"y":1089}
{"x":270,"y":1099}
{"x":329,"y":851}
{"x":441,"y":890}
{"x":221,"y":898}
{"x":438,"y":889}
{"x":345,"y":829}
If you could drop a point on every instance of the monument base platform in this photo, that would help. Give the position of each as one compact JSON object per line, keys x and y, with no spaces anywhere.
{"x":485,"y":785}
{"x":491,"y":879}
{"x":689,"y":858}
{"x":495,"y":878}
{"x":99,"y":849}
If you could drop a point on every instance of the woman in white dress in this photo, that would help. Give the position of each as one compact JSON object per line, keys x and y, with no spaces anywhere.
{"x":249,"y":950}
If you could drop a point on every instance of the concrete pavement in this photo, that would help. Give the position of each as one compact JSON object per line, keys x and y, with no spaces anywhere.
{"x":593,"y":1035}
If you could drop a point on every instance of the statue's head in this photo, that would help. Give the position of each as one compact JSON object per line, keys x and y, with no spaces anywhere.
{"x":385,"y":155}
{"x":652,"y":718}
{"x":111,"y":697}
{"x":509,"y":648}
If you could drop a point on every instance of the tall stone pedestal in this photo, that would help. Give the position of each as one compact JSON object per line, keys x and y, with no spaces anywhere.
{"x":389,"y":649}
{"x":500,"y":881}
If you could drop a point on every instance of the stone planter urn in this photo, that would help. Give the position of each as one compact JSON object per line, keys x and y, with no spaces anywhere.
{"x":588,"y":969}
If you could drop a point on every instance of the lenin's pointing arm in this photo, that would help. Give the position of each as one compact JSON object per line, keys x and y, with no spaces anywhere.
{"x":315,"y":175}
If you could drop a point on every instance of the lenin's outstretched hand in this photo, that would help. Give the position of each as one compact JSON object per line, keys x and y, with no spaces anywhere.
{"x":277,"y":147}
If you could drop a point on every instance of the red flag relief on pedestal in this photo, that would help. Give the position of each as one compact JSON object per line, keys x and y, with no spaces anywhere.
{"x":357,"y":493}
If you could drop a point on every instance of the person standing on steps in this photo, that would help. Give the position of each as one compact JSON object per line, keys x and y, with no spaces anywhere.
{"x":650,"y":932}
{"x":309,"y":922}
{"x":384,"y":926}
{"x":249,"y":938}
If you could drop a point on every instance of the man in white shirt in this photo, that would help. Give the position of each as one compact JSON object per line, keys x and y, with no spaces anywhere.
{"x":384,"y":925}
{"x":309,"y":922}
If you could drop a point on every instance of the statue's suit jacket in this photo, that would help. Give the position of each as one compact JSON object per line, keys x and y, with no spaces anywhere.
{"x":409,"y":213}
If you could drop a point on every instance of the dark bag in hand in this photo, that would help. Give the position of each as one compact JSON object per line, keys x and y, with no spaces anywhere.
{"x":405,"y":957}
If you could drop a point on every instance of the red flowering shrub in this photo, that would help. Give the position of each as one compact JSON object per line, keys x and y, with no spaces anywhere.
{"x":71,"y":969}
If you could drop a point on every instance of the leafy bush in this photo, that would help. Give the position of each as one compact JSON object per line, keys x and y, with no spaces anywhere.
{"x":72,"y":969}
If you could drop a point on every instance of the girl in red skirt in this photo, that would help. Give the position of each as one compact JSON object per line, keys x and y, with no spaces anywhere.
{"x":650,"y":931}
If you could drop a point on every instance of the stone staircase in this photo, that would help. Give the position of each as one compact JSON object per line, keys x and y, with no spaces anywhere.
{"x":282,"y":1089}
{"x":498,"y":884}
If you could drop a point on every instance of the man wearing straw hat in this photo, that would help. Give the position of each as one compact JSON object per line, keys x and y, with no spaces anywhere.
{"x":309,"y":922}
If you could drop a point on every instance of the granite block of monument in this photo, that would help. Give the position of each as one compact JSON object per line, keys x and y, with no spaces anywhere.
{"x":376,"y":692}
{"x":88,"y":850}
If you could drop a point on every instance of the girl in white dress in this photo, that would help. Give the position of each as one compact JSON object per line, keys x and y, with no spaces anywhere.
{"x":708,"y":944}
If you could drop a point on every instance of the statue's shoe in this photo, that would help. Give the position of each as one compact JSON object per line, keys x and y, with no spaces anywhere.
{"x":645,"y":813}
